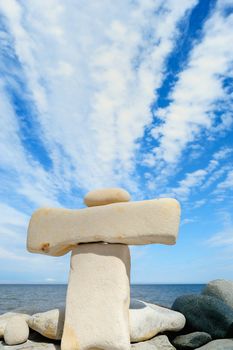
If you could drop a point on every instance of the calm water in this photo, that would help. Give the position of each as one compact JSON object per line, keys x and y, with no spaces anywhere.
{"x":35,"y":298}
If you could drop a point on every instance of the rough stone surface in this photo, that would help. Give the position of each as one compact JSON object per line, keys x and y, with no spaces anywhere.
{"x":50,"y":323}
{"x":160,"y":342}
{"x":105,"y":196}
{"x":191,"y":340}
{"x":5,"y":318}
{"x":220,"y":344}
{"x":16,"y":331}
{"x":31,"y":345}
{"x":147,"y":320}
{"x":56,"y":231}
{"x":206,"y":314}
{"x":222,"y":289}
{"x":97,"y":302}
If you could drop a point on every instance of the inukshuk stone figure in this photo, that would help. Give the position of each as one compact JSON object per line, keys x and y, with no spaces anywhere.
{"x":98,"y":295}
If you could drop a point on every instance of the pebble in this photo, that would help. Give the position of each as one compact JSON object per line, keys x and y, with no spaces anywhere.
{"x":16,"y":331}
{"x":5,"y":318}
{"x":105,"y":196}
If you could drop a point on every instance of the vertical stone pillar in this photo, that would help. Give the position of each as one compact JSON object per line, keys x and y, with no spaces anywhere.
{"x":98,"y":295}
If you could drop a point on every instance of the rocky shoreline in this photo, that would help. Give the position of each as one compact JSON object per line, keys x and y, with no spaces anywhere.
{"x":202,"y":321}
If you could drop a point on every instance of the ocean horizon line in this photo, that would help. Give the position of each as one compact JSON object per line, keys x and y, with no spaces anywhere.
{"x":132,"y":284}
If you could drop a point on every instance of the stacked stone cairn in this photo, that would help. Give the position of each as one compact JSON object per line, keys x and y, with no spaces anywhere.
{"x":98,"y":312}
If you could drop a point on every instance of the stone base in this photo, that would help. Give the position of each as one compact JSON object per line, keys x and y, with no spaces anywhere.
{"x":98,"y":295}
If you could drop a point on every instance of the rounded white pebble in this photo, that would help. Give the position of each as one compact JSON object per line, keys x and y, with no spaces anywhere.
{"x":105,"y":196}
{"x":16,"y":331}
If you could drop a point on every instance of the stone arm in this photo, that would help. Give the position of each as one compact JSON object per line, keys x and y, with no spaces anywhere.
{"x":57,"y":231}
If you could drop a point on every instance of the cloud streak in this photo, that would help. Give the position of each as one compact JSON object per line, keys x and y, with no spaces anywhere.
{"x":93,"y":102}
{"x":199,"y":92}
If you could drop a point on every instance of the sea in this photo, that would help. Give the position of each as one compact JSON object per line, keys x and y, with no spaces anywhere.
{"x":33,"y":298}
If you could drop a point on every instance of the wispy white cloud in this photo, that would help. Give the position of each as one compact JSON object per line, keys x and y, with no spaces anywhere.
{"x":6,"y":254}
{"x":191,"y":180}
{"x":223,"y":153}
{"x":10,"y":215}
{"x":223,"y":239}
{"x":199,"y":90}
{"x":202,"y":179}
{"x":27,"y":176}
{"x":187,"y":221}
{"x":199,"y":203}
{"x":116,"y":63}
{"x":227,"y":183}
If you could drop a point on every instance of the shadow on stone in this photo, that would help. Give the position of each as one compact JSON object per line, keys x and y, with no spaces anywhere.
{"x":136,"y":304}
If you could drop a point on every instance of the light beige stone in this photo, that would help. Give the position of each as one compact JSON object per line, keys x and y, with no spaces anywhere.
{"x":50,"y":323}
{"x":56,"y":231}
{"x":161,"y":342}
{"x":97,"y":303}
{"x":5,"y":318}
{"x":16,"y":331}
{"x":105,"y":196}
{"x":3,"y":321}
{"x":147,"y":320}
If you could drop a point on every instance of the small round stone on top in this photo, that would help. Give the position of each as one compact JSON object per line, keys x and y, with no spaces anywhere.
{"x":105,"y":196}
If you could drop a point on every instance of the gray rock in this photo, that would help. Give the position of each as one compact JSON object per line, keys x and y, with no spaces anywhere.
{"x":206,"y":314}
{"x":191,"y":340}
{"x":220,"y":344}
{"x":221,"y":289}
{"x":30,"y":345}
{"x":160,"y":342}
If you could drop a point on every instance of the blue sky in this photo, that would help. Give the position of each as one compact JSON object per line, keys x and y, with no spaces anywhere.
{"x":136,"y":94}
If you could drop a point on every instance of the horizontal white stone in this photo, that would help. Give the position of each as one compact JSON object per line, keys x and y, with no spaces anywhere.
{"x":97,"y":302}
{"x":147,"y":320}
{"x":56,"y":231}
{"x":105,"y":196}
{"x":50,"y":323}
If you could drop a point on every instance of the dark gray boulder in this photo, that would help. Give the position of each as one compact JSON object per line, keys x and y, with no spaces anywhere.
{"x":206,"y":314}
{"x":222,"y":289}
{"x":220,"y":344}
{"x":191,"y":340}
